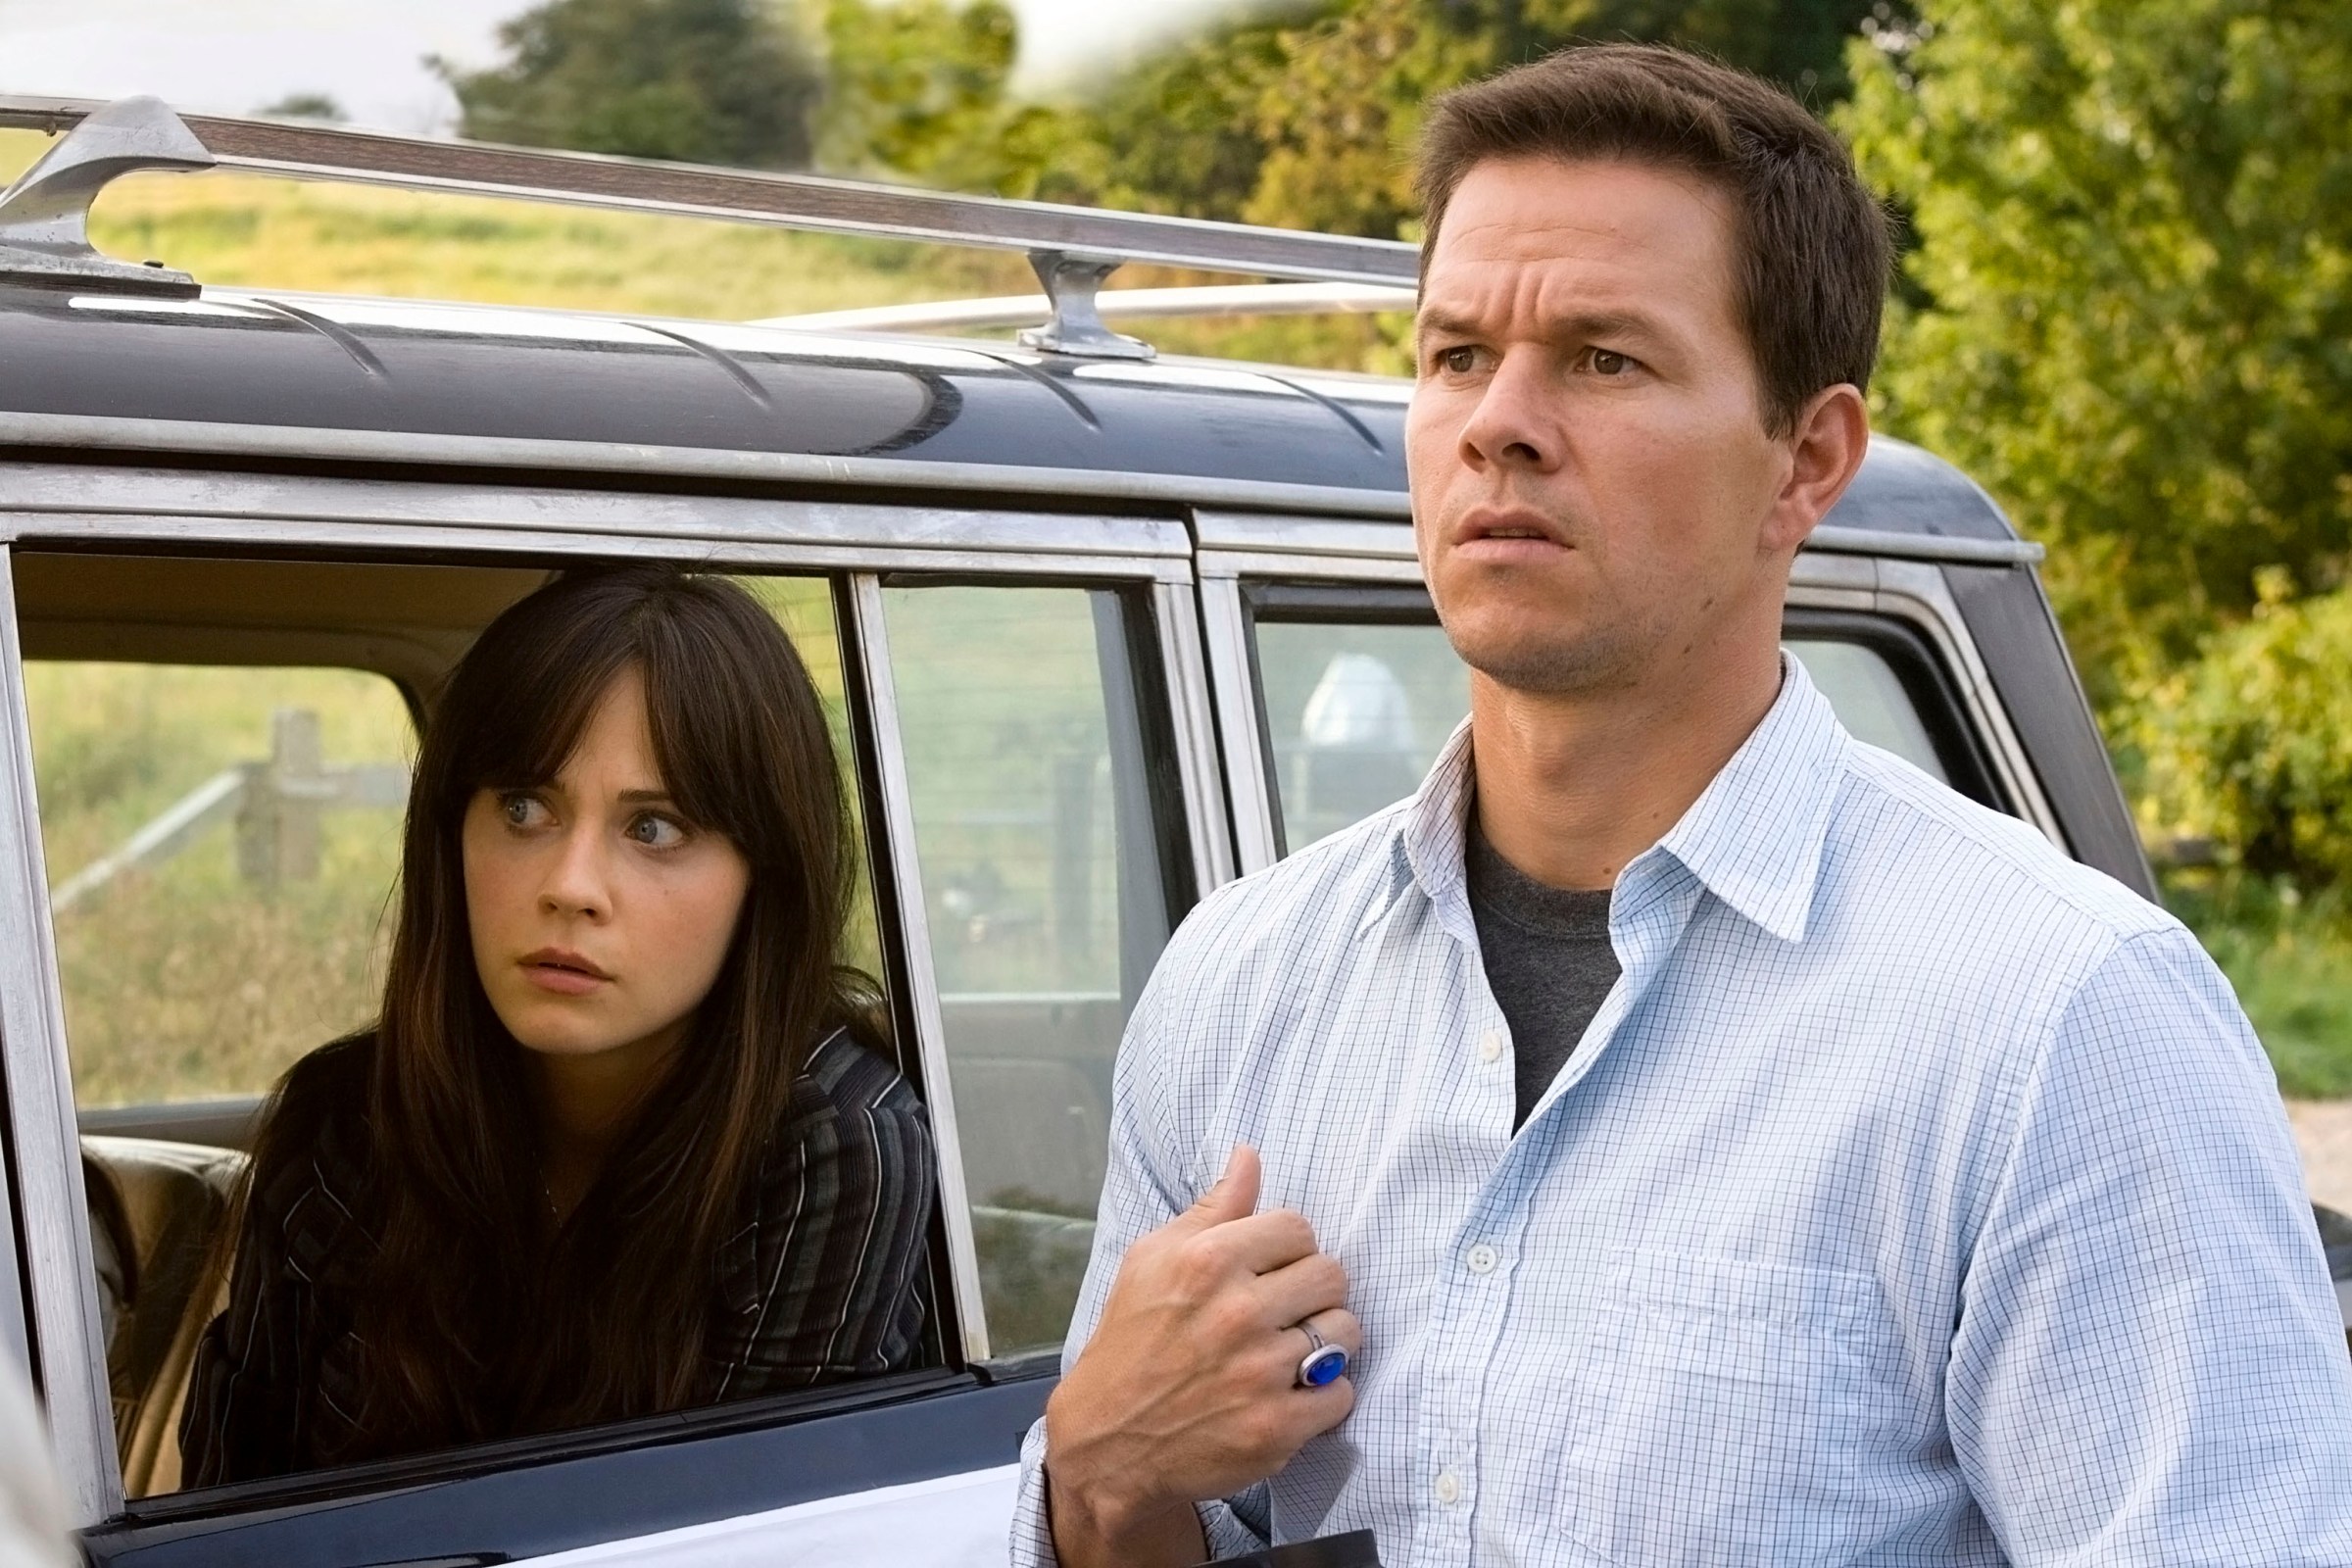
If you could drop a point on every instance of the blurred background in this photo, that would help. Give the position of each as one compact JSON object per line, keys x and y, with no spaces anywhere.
{"x":2124,"y":303}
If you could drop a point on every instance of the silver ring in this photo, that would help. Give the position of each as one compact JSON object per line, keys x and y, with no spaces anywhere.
{"x":1323,"y":1362}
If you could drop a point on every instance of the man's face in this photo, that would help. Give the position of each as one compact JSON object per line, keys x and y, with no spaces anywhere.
{"x":1594,"y":490}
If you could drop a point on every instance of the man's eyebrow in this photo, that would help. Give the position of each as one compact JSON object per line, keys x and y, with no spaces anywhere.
{"x":1438,"y":321}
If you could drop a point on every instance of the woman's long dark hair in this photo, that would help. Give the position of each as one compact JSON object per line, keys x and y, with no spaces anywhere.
{"x":481,"y":1318}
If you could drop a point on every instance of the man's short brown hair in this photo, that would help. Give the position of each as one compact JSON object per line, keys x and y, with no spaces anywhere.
{"x":1811,"y":243}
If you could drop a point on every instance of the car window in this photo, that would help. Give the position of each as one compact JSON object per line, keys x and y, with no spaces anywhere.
{"x":1355,"y":714}
{"x":221,"y":842}
{"x":1355,"y":711}
{"x":1869,"y":699}
{"x":1028,"y":767}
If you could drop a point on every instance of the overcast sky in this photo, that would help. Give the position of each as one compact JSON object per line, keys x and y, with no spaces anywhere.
{"x":233,"y":56}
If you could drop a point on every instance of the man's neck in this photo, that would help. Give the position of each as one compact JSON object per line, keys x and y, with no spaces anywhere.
{"x":1572,"y":787}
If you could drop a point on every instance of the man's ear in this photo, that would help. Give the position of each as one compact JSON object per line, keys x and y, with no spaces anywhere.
{"x":1833,"y":431}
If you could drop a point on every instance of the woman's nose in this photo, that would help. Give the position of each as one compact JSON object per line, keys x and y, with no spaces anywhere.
{"x":578,"y":882}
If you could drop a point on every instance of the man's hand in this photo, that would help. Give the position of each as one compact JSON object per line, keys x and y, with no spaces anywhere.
{"x":1188,"y":1390}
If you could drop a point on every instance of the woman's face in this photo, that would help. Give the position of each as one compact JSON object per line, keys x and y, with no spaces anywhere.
{"x":601,"y":916}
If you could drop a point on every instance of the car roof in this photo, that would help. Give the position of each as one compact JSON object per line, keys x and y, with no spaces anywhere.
{"x":332,"y":362}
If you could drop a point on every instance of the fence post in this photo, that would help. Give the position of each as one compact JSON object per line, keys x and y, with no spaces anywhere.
{"x":277,"y":823}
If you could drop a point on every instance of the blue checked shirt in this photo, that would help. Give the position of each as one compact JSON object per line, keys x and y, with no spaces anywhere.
{"x":1917,"y":1197}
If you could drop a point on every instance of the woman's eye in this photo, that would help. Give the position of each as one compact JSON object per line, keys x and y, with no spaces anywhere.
{"x":1607,"y":363}
{"x":521,"y":811}
{"x":656,"y":832}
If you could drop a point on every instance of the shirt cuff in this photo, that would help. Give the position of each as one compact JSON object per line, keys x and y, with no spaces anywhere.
{"x":1031,"y":1539}
{"x":1032,"y":1530}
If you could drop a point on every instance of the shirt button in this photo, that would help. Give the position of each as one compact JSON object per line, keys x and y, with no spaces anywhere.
{"x":1489,"y":1045}
{"x":1482,"y":1260}
{"x":1448,"y":1487}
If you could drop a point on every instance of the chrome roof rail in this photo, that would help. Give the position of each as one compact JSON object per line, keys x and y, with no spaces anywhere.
{"x":45,"y":217}
{"x":1069,"y":243}
{"x":1112,"y":304}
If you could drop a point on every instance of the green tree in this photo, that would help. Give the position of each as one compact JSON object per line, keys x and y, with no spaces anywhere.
{"x":923,"y":89}
{"x":2135,"y":272}
{"x":2251,"y":745}
{"x":1178,"y":132}
{"x":715,"y":82}
{"x":1340,"y":92}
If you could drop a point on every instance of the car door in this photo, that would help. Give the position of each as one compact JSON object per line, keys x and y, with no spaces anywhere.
{"x":209,"y":683}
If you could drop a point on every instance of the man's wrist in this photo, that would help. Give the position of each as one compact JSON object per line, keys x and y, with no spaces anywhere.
{"x":1161,"y":1534}
{"x":1098,"y":1516}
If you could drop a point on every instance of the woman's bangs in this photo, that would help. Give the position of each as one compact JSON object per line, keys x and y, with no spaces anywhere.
{"x":698,"y":741}
{"x":534,"y":730}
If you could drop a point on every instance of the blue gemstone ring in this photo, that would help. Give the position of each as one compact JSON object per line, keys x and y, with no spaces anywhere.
{"x":1322,"y":1364}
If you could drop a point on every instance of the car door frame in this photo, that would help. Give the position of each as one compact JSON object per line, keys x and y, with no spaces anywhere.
{"x":463,"y":517}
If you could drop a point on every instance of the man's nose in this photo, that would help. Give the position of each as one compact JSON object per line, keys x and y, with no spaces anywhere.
{"x":1515,"y":423}
{"x":578,"y":883}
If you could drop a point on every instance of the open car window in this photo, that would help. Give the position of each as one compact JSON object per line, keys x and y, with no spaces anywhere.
{"x":221,"y":842}
{"x":222,"y":807}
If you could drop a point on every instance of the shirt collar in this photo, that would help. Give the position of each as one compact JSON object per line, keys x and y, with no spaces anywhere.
{"x":1752,"y":838}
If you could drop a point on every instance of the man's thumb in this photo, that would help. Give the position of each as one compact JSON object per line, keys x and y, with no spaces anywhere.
{"x":1235,"y":1194}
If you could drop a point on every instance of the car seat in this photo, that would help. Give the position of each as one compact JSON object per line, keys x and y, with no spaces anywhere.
{"x":156,"y":1221}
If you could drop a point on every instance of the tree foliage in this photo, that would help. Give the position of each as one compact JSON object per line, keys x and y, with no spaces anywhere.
{"x":1304,"y":116}
{"x":715,"y":82}
{"x":2134,"y":263}
{"x":2251,"y":746}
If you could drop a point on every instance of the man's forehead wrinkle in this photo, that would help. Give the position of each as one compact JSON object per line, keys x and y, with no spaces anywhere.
{"x":1541,"y":293}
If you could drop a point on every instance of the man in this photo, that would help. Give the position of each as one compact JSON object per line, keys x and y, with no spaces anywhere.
{"x":1715,"y":1141}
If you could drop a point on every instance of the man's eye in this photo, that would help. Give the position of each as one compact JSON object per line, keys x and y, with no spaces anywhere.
{"x":656,"y":832}
{"x":521,"y":810}
{"x":1457,"y":361}
{"x":1607,"y":363}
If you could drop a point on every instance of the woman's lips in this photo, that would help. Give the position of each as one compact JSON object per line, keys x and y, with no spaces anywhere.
{"x":566,"y":973}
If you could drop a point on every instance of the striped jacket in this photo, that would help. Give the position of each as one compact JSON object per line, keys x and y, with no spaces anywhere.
{"x":822,"y":1282}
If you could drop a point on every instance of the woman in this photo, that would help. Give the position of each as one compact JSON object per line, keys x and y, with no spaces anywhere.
{"x":617,"y":1143}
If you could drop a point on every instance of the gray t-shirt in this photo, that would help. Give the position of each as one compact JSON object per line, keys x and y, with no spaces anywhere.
{"x":1547,"y":958}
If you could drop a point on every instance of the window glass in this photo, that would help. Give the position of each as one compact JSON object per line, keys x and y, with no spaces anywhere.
{"x":1035,"y":831}
{"x":1869,"y":699}
{"x":1354,"y":716}
{"x":1356,"y":713}
{"x":804,"y":605}
{"x":220,"y":842}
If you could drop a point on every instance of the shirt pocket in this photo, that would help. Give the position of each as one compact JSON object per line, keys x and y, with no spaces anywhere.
{"x":1732,"y":1412}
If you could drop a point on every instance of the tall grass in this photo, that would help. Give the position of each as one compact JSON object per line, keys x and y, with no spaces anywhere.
{"x":182,"y":979}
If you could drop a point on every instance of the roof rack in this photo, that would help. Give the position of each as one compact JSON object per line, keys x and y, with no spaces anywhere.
{"x":1112,"y":304}
{"x":44,"y":239}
